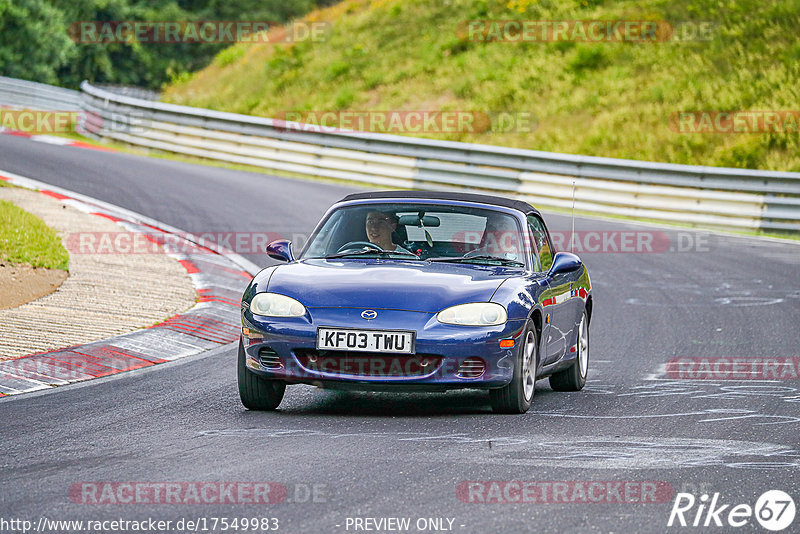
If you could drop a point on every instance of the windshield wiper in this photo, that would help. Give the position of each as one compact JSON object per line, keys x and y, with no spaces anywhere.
{"x":481,"y":258}
{"x":381,"y":253}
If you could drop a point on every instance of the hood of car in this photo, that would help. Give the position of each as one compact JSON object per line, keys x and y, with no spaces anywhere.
{"x":387,"y":284}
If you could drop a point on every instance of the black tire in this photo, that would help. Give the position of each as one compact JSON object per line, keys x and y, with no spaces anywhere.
{"x":257,"y":392}
{"x":515,"y":397}
{"x":574,"y":378}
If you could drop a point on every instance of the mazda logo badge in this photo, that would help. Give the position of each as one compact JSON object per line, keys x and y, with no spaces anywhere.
{"x":369,"y":314}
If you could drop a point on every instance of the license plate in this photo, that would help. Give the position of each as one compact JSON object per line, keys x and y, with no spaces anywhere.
{"x":393,"y":341}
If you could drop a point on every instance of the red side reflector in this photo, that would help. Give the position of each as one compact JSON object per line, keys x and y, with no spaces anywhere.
{"x":506,"y":343}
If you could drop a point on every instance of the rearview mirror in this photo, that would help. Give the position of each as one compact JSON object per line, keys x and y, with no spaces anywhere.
{"x":564,"y":262}
{"x":413,"y":220}
{"x":280,"y":250}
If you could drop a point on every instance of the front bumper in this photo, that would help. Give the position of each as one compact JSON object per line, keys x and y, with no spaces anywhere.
{"x":285,"y":349}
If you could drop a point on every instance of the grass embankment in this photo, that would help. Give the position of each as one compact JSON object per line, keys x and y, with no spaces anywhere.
{"x":605,"y":99}
{"x":25,"y":238}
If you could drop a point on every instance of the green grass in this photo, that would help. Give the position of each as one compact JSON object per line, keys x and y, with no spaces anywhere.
{"x":603,"y":99}
{"x":24,"y":238}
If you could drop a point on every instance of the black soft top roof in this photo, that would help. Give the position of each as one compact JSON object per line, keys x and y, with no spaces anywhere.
{"x":445,"y":195}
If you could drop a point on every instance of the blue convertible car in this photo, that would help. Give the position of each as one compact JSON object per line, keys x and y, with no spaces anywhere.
{"x":410,"y":290}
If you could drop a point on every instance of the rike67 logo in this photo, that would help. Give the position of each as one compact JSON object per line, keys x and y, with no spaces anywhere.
{"x":774,"y":510}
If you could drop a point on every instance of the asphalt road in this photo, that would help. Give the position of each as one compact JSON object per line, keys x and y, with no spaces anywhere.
{"x":404,"y":455}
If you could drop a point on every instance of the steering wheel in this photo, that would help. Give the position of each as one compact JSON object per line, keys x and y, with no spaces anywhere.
{"x":359,"y":244}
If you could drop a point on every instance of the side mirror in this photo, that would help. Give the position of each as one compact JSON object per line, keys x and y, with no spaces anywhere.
{"x":564,"y":262}
{"x":280,"y":250}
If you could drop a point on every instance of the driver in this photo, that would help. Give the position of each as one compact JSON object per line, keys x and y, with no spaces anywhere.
{"x":380,"y":226}
{"x":500,"y":238}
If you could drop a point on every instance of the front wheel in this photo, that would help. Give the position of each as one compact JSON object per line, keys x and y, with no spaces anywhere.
{"x":574,"y":378}
{"x":516,"y":396}
{"x":257,"y":392}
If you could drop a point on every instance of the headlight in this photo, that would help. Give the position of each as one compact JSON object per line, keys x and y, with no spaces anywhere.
{"x":474,"y":314}
{"x":275,"y":305}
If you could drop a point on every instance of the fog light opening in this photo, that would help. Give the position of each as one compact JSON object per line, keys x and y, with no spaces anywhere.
{"x":269,"y":359}
{"x":471,"y":368}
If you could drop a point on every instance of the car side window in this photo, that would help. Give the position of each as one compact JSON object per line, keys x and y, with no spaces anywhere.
{"x":322,"y":243}
{"x":542,"y":249}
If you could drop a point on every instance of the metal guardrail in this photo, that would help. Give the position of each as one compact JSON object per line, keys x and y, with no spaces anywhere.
{"x":23,"y":94}
{"x":133,"y":92}
{"x":703,"y":196}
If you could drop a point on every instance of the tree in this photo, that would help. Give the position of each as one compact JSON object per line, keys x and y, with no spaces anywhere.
{"x":33,"y":40}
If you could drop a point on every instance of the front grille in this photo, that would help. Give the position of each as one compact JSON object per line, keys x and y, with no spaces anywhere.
{"x":372,"y":364}
{"x":472,"y":368}
{"x":269,"y":359}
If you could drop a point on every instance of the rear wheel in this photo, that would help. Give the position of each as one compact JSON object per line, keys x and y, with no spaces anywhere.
{"x":574,"y":378}
{"x":257,"y":392}
{"x":516,"y":397}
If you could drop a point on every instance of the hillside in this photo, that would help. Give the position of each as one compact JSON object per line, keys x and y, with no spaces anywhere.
{"x":616,"y":99}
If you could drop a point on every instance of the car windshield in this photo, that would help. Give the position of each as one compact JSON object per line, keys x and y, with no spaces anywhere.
{"x":419,"y":232}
